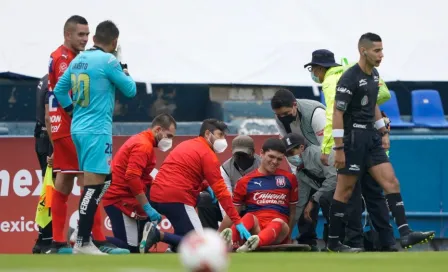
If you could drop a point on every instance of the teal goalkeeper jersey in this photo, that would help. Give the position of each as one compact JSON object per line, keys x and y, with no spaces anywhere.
{"x":93,"y":77}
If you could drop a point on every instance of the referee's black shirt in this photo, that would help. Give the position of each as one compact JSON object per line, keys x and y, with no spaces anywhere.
{"x":356,"y":95}
{"x":41,"y":97}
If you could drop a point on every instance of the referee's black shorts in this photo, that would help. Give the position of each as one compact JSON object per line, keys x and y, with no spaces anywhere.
{"x":43,"y":149}
{"x":363,"y":149}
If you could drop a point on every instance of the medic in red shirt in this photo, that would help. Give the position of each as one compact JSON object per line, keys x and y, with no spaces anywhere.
{"x":176,"y":188}
{"x":126,"y":201}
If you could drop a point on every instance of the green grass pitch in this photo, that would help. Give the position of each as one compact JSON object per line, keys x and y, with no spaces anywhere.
{"x":249,"y":262}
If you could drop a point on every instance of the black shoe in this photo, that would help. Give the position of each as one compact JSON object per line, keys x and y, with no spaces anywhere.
{"x":325,"y":249}
{"x":344,"y":249}
{"x":388,"y":249}
{"x":37,"y":249}
{"x":58,"y":248}
{"x":416,"y":237}
{"x":151,"y":236}
{"x":314,"y":248}
{"x":41,"y":247}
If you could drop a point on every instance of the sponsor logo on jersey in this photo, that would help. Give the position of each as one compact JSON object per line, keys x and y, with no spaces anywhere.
{"x":355,"y":125}
{"x":343,"y":90}
{"x":362,"y":82}
{"x":263,"y":198}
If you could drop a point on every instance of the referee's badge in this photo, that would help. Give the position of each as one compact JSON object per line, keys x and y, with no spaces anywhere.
{"x":364,"y":100}
{"x":280,"y":181}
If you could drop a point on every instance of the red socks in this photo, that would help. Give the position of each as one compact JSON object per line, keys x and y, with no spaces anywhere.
{"x":248,"y":221}
{"x":97,"y":228}
{"x":269,"y":234}
{"x":59,"y":215}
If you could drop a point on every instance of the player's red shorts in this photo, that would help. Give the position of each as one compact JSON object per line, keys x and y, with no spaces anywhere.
{"x":65,"y":159}
{"x":265,"y":218}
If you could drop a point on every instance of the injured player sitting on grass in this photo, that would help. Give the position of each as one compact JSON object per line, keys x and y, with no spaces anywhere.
{"x":270,"y":196}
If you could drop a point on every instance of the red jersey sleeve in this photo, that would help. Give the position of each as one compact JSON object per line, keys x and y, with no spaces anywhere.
{"x":138,"y":158}
{"x":294,"y":196}
{"x":60,"y":65}
{"x":57,"y":69}
{"x":212,"y":173}
{"x":240,"y":192}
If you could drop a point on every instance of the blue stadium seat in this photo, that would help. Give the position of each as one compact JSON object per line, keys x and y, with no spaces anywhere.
{"x":322,"y":98}
{"x":427,"y":109}
{"x":393,"y":112}
{"x":246,"y":109}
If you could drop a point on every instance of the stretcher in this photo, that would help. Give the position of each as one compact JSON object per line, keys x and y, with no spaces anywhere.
{"x":284,"y":248}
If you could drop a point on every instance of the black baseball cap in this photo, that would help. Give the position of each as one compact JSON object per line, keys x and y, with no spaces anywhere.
{"x":293,"y":140}
{"x":324,"y":58}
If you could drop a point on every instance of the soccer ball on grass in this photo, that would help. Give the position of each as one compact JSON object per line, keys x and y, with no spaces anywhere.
{"x":203,"y":252}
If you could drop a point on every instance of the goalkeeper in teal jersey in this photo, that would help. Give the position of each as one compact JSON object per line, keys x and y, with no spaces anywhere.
{"x":93,"y":77}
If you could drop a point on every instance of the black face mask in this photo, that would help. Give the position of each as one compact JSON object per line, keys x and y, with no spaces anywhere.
{"x":244,"y":161}
{"x":287,"y":119}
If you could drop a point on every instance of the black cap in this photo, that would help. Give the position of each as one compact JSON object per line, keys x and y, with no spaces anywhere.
{"x":324,"y":58}
{"x":293,"y":140}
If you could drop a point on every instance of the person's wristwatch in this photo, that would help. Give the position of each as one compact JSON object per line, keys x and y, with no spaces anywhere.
{"x":384,"y":133}
{"x":341,"y":147}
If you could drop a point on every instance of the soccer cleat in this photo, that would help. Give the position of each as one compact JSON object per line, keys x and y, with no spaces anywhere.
{"x":58,"y":248}
{"x":88,"y":249}
{"x":37,"y":249}
{"x":109,"y":248}
{"x":341,"y":248}
{"x":250,"y":245}
{"x":151,"y":236}
{"x":226,"y":234}
{"x":314,"y":248}
{"x":416,"y":237}
{"x":41,"y":247}
{"x":325,"y":249}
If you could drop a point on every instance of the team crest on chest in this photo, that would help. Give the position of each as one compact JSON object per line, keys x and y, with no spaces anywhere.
{"x":280,"y":181}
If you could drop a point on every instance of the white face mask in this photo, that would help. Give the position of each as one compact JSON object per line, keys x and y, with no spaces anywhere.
{"x":220,"y":145}
{"x":165,"y":144}
{"x":295,"y":160}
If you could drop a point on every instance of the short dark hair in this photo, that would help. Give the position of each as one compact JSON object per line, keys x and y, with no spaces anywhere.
{"x":212,"y":125}
{"x":274,"y":144}
{"x":369,"y":37}
{"x":282,"y":98}
{"x":164,"y":120}
{"x":106,"y":32}
{"x":73,"y":21}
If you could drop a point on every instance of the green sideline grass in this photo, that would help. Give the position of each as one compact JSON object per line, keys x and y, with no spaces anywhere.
{"x":249,"y":262}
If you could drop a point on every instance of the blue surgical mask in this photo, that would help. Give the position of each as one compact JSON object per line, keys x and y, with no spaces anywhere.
{"x":295,"y":160}
{"x":315,"y":78}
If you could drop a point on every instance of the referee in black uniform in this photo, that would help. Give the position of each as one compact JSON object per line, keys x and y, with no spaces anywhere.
{"x":44,"y":150}
{"x":360,"y":139}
